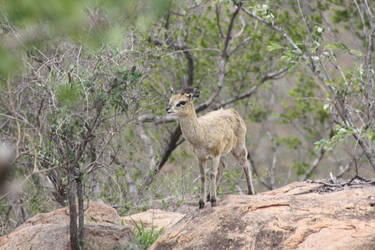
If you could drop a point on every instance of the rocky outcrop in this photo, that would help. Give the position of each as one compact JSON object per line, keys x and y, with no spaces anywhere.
{"x":297,"y":216}
{"x":154,"y":218}
{"x":104,"y":228}
{"x":50,"y":231}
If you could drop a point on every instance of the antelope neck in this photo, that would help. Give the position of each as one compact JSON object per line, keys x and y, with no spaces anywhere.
{"x":190,"y":127}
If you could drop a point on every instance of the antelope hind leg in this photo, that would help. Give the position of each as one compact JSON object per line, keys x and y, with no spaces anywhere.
{"x":241,"y":155}
{"x":213,"y":175}
{"x":219,"y":175}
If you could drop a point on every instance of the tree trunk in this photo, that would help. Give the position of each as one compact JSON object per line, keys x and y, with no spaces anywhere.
{"x":72,"y":211}
{"x":81,"y":230}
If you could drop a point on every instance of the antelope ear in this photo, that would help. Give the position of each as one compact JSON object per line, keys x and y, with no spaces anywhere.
{"x":189,"y":95}
{"x":196,"y":92}
{"x":191,"y":92}
{"x":172,"y":91}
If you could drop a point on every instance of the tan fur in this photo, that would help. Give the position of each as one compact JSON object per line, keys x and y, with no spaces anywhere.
{"x":212,"y":135}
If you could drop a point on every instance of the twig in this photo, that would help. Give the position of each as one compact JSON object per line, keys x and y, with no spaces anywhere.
{"x":339,"y":102}
{"x":254,"y":170}
{"x":12,"y":105}
{"x":217,"y":11}
{"x":314,"y":165}
{"x":348,"y":183}
{"x":276,"y":28}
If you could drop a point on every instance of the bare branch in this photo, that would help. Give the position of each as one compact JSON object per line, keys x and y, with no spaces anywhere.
{"x":272,"y":167}
{"x":343,"y":170}
{"x":228,"y":37}
{"x":167,"y":118}
{"x":253,"y":90}
{"x":369,"y":64}
{"x":314,"y":165}
{"x":254,"y":170}
{"x":276,"y":28}
{"x":223,"y":62}
{"x":156,"y":119}
{"x":304,"y":19}
{"x":188,"y":55}
{"x":217,"y":11}
{"x":339,"y":102}
{"x":361,"y":16}
{"x":172,"y":144}
{"x":13,"y":107}
{"x":239,"y":33}
{"x":368,"y":9}
{"x":239,"y":45}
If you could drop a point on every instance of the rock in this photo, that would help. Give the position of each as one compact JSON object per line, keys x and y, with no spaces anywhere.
{"x":51,"y":230}
{"x":154,"y":217}
{"x":95,"y":212}
{"x":298,"y":216}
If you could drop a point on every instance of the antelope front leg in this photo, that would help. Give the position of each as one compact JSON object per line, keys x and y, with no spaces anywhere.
{"x":213,"y":174}
{"x":203,"y":184}
{"x":249,"y":178}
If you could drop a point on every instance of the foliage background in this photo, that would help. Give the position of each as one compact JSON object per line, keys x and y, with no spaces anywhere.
{"x":84,"y":86}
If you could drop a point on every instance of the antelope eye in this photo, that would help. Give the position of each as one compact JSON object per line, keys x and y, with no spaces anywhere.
{"x":180,"y":104}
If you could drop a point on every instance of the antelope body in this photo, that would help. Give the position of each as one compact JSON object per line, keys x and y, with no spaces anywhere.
{"x":212,"y":135}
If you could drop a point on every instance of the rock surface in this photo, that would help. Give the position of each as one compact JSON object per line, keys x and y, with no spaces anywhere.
{"x":297,"y":216}
{"x":154,"y":218}
{"x":50,"y":231}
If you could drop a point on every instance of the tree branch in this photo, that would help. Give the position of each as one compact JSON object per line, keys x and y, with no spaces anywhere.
{"x":252,"y":163}
{"x":228,"y":37}
{"x":156,"y":119}
{"x":172,"y":144}
{"x":217,"y":11}
{"x":203,"y":106}
{"x":173,"y":141}
{"x":339,"y":103}
{"x":187,"y":53}
{"x":314,"y":165}
{"x":276,"y":28}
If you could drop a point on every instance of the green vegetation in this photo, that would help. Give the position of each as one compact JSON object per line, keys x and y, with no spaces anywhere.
{"x":84,"y":86}
{"x":144,"y":238}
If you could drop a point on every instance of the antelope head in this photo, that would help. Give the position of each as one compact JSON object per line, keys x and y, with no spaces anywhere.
{"x":181,"y":104}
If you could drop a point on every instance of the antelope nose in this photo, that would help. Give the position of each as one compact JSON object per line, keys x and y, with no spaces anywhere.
{"x":169,"y":110}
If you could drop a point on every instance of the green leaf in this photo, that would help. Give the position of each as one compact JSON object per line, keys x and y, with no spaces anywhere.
{"x":356,"y":52}
{"x":274,"y":46}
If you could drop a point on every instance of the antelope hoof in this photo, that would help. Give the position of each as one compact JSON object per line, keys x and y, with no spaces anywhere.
{"x":201,"y":204}
{"x":213,"y":203}
{"x":208,"y":197}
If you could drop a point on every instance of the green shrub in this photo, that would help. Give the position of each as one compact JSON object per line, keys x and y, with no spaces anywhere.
{"x":143,"y":237}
